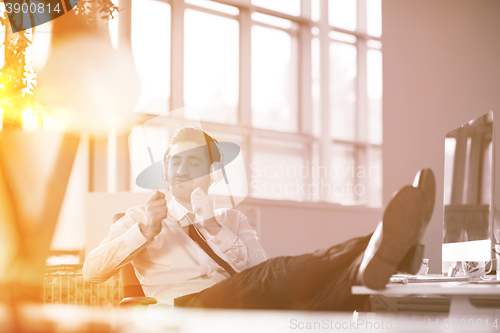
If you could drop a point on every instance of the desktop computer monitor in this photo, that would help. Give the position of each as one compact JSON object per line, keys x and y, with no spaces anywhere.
{"x":468,"y":192}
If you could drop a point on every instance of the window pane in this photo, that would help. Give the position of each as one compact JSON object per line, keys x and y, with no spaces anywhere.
{"x":151,"y":50}
{"x":374,"y":44}
{"x":211,"y":66}
{"x":318,"y":173}
{"x":374,"y":78}
{"x":315,"y":87}
{"x":315,"y":10}
{"x":272,"y":20}
{"x":235,"y":169}
{"x":342,"y":14}
{"x":278,"y":170}
{"x":342,"y":91}
{"x":374,"y":17}
{"x":341,"y":173}
{"x":369,"y":177}
{"x":274,"y":92}
{"x":291,"y":7}
{"x":341,"y":37}
{"x":215,"y":6}
{"x":157,"y":140}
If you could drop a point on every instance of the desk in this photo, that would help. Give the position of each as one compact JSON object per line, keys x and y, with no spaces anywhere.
{"x":459,"y":293}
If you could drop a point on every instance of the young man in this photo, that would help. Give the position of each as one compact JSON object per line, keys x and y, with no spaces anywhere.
{"x":172,"y":245}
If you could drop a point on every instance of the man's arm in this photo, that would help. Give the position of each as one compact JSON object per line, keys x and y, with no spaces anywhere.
{"x":238,"y":241}
{"x":126,"y":239}
{"x":230,"y":233}
{"x":123,"y":242}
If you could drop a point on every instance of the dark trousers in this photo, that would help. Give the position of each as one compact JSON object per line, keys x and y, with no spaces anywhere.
{"x":320,"y":281}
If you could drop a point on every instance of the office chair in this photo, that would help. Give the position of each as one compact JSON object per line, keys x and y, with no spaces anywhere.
{"x":132,"y":290}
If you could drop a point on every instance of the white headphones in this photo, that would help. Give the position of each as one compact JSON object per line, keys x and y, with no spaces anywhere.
{"x":217,"y":172}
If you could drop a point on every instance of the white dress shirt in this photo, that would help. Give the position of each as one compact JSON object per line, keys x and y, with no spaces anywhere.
{"x":172,"y":264}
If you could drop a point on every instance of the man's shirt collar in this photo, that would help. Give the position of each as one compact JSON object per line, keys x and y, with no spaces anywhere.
{"x":178,"y":211}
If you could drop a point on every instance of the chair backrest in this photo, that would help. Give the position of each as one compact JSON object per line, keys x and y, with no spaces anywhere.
{"x":131,"y":285}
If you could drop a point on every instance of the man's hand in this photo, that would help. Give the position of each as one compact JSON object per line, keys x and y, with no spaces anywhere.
{"x":156,"y":211}
{"x":202,"y":206}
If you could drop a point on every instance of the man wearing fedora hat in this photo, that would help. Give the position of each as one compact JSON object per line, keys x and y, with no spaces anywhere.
{"x":185,"y":253}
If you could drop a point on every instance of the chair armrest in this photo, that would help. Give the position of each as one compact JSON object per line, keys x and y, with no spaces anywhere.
{"x":134,"y":301}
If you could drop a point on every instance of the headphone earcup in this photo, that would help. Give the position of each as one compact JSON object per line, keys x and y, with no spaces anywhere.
{"x":216,"y":172}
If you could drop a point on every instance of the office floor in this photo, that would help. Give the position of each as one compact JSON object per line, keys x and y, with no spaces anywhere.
{"x":68,"y":318}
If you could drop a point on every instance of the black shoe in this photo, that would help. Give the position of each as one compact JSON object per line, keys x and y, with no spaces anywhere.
{"x":426,"y":183}
{"x":396,"y":242}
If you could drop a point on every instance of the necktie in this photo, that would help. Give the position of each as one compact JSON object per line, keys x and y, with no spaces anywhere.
{"x":195,"y":235}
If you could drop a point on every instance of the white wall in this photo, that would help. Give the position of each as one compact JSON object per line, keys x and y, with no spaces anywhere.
{"x":291,"y":228}
{"x":441,"y":69}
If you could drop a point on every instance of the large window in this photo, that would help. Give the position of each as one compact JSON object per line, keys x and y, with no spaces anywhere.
{"x":211,"y":62}
{"x":151,"y":51}
{"x":297,"y":82}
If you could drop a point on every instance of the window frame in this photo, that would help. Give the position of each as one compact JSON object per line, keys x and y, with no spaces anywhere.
{"x":304,"y":36}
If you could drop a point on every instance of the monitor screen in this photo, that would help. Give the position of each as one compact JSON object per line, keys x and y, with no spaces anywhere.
{"x":468,"y":192}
